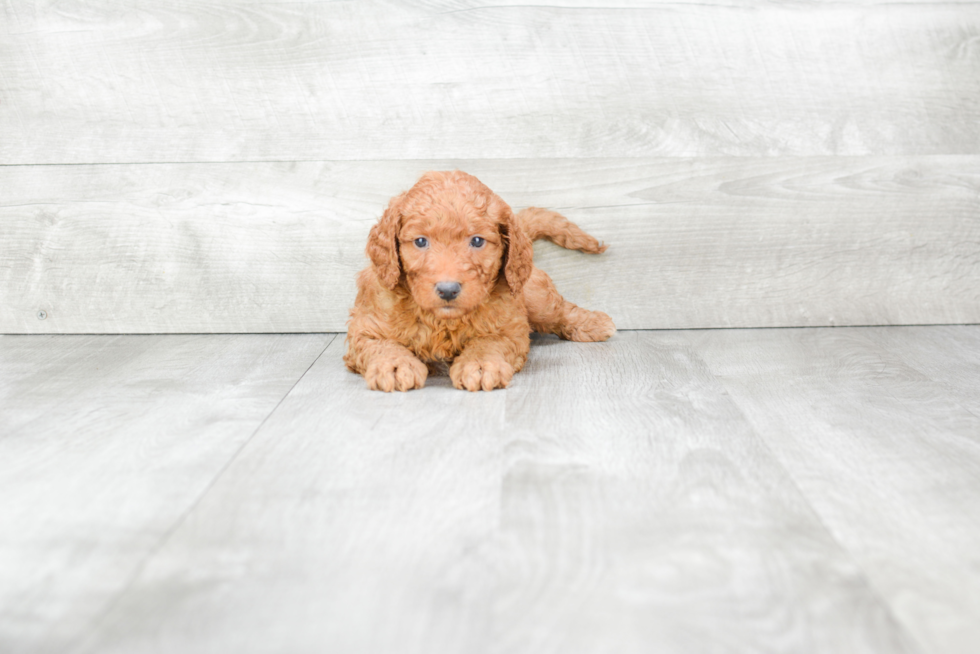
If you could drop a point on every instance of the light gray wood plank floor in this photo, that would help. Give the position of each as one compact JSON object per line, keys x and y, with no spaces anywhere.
{"x":786,"y":490}
{"x":105,"y":441}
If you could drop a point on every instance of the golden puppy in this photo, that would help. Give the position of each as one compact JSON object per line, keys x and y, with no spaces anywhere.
{"x":452,"y":280}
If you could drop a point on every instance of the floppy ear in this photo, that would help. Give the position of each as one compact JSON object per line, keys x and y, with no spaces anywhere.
{"x":519,"y":253}
{"x":382,"y":245}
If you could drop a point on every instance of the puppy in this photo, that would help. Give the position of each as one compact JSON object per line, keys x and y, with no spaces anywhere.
{"x":452,"y":280}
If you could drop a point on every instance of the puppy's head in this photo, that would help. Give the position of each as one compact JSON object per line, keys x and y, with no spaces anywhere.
{"x":447,"y":239}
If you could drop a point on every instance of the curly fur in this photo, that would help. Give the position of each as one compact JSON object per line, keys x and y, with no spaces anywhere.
{"x":400,"y":323}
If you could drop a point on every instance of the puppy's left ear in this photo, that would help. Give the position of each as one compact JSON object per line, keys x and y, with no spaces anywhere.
{"x":519,"y":255}
{"x":382,"y":245}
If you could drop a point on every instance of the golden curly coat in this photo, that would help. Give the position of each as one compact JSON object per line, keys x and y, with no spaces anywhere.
{"x":434,"y":292}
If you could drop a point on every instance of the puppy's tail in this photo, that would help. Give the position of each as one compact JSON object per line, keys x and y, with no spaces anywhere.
{"x":551,"y":225}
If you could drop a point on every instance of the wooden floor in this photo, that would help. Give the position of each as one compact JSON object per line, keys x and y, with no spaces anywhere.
{"x":787,"y":490}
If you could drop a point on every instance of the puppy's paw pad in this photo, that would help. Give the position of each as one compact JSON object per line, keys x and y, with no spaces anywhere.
{"x":481,"y":375}
{"x":395,"y":374}
{"x":598,"y":327}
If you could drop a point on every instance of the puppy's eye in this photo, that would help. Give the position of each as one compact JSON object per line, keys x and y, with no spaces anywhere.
{"x":477,"y":241}
{"x":421,"y":242}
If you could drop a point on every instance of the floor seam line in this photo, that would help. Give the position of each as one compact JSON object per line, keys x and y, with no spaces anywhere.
{"x":872,"y":587}
{"x":165,"y":537}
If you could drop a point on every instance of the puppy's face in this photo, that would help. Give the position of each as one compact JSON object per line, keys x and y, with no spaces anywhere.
{"x":451,"y":253}
{"x":448,"y":237}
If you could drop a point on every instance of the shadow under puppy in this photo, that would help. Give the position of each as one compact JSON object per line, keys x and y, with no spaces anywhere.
{"x":452,"y":280}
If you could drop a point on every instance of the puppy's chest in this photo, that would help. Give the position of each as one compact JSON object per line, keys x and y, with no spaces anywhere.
{"x":443,"y":343}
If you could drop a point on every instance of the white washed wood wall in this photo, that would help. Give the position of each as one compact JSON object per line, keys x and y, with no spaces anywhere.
{"x":215,"y":167}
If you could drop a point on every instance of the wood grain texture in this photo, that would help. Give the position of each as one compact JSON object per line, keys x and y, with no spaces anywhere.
{"x":563,"y":514}
{"x":730,"y":491}
{"x":888,"y":457}
{"x":948,"y":355}
{"x":642,"y":513}
{"x":274,"y":247}
{"x":228,"y":81}
{"x":354,"y":521}
{"x":105,"y":443}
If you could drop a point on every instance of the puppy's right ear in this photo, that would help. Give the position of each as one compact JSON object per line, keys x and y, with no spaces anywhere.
{"x":382,"y":245}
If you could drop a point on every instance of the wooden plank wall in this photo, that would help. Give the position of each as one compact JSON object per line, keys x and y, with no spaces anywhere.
{"x":215,"y":167}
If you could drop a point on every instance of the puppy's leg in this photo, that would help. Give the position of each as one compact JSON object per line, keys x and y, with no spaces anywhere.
{"x":490,"y":362}
{"x":550,"y":313}
{"x":386,"y":365}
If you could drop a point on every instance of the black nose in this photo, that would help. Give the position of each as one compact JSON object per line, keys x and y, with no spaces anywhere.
{"x":447,"y":290}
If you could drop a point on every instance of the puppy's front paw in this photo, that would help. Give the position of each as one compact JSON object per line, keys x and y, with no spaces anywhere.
{"x":597,"y":326}
{"x":487,"y":375}
{"x":395,"y":374}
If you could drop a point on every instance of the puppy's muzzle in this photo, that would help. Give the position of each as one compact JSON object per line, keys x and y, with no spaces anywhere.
{"x":448,"y":290}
